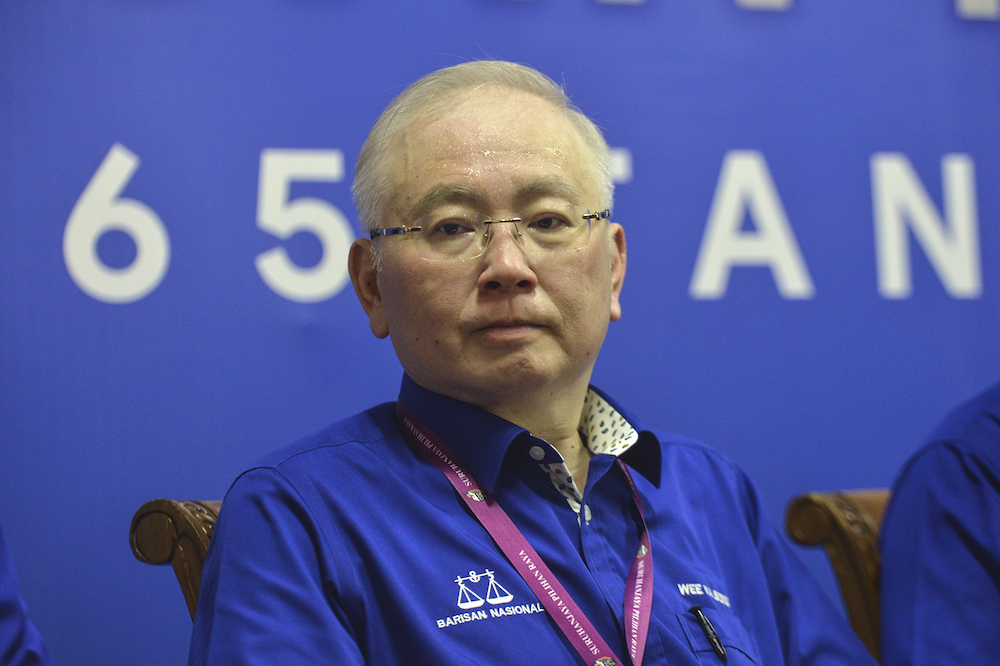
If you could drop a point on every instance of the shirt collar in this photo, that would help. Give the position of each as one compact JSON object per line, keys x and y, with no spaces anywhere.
{"x":602,"y":428}
{"x":481,"y":439}
{"x":644,"y":454}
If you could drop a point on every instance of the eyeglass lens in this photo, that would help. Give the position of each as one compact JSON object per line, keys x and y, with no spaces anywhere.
{"x":466,"y":236}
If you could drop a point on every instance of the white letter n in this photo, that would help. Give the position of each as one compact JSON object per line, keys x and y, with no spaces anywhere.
{"x":899,"y":198}
{"x":745,"y":184}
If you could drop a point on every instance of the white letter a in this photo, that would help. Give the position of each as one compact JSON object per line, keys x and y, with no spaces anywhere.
{"x":745,"y":184}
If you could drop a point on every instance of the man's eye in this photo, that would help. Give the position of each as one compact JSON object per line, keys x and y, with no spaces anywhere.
{"x":549,"y":223}
{"x":454,"y":226}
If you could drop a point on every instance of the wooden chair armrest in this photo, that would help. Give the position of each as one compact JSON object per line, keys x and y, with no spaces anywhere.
{"x":847,"y":525}
{"x":165,"y":530}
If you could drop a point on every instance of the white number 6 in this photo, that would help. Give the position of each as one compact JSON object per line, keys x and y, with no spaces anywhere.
{"x":99,"y":210}
{"x":283,"y":218}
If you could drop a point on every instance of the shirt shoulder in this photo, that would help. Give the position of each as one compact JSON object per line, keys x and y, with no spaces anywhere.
{"x":691,"y":471}
{"x":671,"y":452}
{"x":364,"y":451}
{"x":347,"y":438}
{"x":969,"y":435}
{"x":688,"y":454}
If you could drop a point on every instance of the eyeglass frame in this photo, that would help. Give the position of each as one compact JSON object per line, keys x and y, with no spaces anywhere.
{"x":403,"y":230}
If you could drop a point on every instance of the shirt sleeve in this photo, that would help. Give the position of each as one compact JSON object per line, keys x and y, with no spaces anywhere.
{"x":269,"y":592}
{"x":812,"y":631}
{"x":20,"y":643}
{"x":941,"y":561}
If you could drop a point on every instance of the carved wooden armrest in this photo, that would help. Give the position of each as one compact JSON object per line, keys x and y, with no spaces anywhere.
{"x":178,"y":532}
{"x":847,"y":525}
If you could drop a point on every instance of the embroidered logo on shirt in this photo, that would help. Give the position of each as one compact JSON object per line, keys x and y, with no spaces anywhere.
{"x":700,"y":589}
{"x":478,"y":589}
{"x":495,"y":593}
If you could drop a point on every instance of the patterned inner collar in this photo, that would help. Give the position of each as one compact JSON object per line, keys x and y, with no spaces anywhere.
{"x":604,"y":431}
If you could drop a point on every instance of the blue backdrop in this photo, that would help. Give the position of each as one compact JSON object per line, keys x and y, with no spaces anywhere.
{"x":811,"y":194}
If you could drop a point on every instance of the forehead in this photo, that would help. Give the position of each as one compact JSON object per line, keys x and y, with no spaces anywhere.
{"x":497,"y":143}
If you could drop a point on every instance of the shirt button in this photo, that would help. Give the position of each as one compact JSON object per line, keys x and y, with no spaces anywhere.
{"x":586,"y":512}
{"x":536,"y":452}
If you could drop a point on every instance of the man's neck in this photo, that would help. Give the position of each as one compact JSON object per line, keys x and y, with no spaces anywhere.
{"x":577,"y":457}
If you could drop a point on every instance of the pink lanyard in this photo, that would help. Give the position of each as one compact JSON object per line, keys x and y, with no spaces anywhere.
{"x":560,"y":606}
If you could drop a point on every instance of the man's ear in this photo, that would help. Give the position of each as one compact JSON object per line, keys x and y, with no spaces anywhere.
{"x":361,"y":266}
{"x":618,"y":260}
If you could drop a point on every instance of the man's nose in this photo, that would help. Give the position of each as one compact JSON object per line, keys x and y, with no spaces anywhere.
{"x":505,"y":260}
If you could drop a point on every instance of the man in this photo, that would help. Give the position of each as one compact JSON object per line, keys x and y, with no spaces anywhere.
{"x":502,"y":512}
{"x":941,"y":545}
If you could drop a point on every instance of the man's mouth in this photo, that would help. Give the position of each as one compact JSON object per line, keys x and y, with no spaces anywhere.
{"x":509,"y":329}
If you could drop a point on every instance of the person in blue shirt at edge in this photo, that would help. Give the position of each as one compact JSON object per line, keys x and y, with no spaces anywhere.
{"x":20,"y":643}
{"x":502,"y":511}
{"x":940,"y":545}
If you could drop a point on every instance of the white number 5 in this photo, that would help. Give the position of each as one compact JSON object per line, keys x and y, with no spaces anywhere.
{"x":283,"y":218}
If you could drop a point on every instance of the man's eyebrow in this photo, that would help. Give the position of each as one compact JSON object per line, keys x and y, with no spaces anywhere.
{"x":549,"y":186}
{"x":449,"y":194}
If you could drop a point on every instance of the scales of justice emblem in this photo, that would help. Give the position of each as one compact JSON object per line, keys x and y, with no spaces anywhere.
{"x":495,"y":593}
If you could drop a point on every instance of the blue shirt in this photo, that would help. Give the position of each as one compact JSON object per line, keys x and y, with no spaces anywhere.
{"x":941,"y":545}
{"x":348,"y":547}
{"x":20,"y":644}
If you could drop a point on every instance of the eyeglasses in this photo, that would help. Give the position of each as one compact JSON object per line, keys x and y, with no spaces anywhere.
{"x":442,"y":237}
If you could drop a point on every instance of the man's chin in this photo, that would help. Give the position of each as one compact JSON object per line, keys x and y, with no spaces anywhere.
{"x":510,"y":378}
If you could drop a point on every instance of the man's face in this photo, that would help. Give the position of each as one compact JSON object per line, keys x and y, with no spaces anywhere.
{"x":511,"y":322}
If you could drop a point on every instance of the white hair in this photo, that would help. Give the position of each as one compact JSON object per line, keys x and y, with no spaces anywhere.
{"x":374,"y":188}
